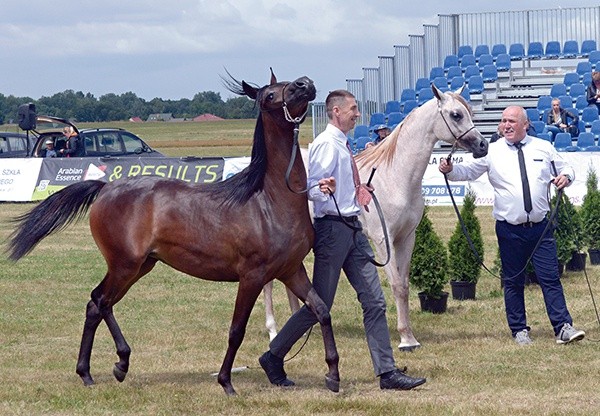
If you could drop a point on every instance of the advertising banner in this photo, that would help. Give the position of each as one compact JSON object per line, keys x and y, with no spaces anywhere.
{"x":18,"y":178}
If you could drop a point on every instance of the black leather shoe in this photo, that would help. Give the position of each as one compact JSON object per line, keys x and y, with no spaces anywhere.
{"x":273,"y":367}
{"x":397,"y":380}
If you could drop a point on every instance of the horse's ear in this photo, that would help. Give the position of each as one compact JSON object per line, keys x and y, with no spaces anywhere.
{"x":249,"y":90}
{"x":461,"y":89}
{"x":273,"y":77}
{"x":436,"y":92}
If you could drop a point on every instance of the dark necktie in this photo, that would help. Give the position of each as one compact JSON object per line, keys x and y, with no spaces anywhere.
{"x":524,"y":180}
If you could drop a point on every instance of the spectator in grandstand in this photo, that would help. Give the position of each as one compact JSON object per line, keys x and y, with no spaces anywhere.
{"x":381,"y":132}
{"x":498,"y":133}
{"x":562,"y":120}
{"x":593,"y":90}
{"x":519,"y":167}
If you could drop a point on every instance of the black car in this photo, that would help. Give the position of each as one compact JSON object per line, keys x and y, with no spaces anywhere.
{"x":15,"y":144}
{"x":100,"y":142}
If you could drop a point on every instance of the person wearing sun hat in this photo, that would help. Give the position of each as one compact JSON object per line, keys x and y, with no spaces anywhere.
{"x":49,"y":151}
{"x":381,"y":131}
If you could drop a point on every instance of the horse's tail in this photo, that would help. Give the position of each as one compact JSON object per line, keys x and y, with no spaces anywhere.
{"x":51,"y":215}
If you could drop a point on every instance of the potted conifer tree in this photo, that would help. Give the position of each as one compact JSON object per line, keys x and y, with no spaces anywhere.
{"x":568,"y":235}
{"x":428,"y":267}
{"x":464,"y":265}
{"x":590,"y":216}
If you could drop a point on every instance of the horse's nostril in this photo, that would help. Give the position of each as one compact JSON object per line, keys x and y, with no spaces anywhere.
{"x":300,"y":84}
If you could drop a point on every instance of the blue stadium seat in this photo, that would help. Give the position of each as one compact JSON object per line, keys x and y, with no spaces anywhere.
{"x":557,"y":90}
{"x":451,"y":60}
{"x":361,"y":142}
{"x":581,"y":103}
{"x":503,"y":62}
{"x":564,"y":143}
{"x":466,"y":93}
{"x":570,"y":49}
{"x":392,"y":106}
{"x":535,"y":50}
{"x":583,"y":67}
{"x":464,"y":50}
{"x":516,"y":51}
{"x":481,"y":50}
{"x":581,"y":125}
{"x":595,"y":129}
{"x":585,"y":141}
{"x":575,"y":90}
{"x":441,"y":83}
{"x":360,"y":130}
{"x":425,"y":94}
{"x":454,"y":71}
{"x":532,"y":114}
{"x":588,"y":46}
{"x":376,"y":118}
{"x":539,"y":126}
{"x":422,"y":83}
{"x":594,"y":58}
{"x":436,"y":71}
{"x":586,"y":79}
{"x":565,"y":101}
{"x":498,"y":49}
{"x":489,"y":73}
{"x":475,"y":84}
{"x":571,"y":78}
{"x":589,"y":115}
{"x":546,"y":135}
{"x":407,"y":94}
{"x":468,"y":60}
{"x":485,"y":59}
{"x":409,"y":105}
{"x":472,"y":70}
{"x":552,"y":50}
{"x":395,"y":118}
{"x":456,"y":83}
{"x":544,"y":103}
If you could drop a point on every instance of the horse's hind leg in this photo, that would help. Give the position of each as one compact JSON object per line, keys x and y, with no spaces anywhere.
{"x":104,"y":296}
{"x":269,"y":312}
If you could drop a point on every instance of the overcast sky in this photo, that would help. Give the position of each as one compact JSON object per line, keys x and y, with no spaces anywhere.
{"x":175,"y":49}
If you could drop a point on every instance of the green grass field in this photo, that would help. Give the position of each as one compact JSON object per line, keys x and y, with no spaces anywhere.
{"x":177,"y":328}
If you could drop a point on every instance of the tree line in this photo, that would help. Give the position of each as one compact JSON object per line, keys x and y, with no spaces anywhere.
{"x":84,"y":107}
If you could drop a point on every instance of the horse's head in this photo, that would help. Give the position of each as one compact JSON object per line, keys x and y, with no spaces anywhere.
{"x":290,"y":97}
{"x":457,"y":127}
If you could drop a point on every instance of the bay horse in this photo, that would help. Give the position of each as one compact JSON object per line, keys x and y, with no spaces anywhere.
{"x":249,"y":229}
{"x":401,"y":160}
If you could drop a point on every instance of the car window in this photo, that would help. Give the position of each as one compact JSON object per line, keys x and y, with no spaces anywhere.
{"x":17,"y":143}
{"x":108,"y":142}
{"x":132,"y":143}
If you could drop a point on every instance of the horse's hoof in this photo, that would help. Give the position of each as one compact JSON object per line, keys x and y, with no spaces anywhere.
{"x":119,"y":374}
{"x":332,"y":385}
{"x":229,"y":391}
{"x":408,"y":348}
{"x":87,"y":380}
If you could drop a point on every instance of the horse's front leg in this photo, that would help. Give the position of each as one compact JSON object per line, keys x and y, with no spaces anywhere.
{"x":301,"y":287}
{"x":92,"y":320}
{"x":248,"y":291}
{"x":397,"y":271}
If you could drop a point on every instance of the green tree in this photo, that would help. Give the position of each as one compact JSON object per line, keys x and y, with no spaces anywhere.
{"x":567,"y":230}
{"x":590,"y":211}
{"x":429,"y":263}
{"x":464,"y":264}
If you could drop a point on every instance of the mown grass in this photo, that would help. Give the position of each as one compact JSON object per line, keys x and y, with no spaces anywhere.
{"x":177,"y":327}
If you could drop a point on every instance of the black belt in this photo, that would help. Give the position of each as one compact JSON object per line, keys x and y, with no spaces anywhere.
{"x":528,"y":224}
{"x":352,"y":218}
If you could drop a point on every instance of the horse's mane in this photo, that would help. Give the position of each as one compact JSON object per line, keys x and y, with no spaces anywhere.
{"x":239,"y":188}
{"x":384,"y":152}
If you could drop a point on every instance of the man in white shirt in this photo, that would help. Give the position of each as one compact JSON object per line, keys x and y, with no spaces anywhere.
{"x":331,"y":174}
{"x":521,"y":220}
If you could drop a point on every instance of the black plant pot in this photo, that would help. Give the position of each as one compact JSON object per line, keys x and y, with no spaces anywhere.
{"x":463,"y":290}
{"x":577,"y":262}
{"x":594,"y":256}
{"x":433,"y":305}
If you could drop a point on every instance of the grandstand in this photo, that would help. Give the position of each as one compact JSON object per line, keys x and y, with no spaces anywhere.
{"x":535,"y":54}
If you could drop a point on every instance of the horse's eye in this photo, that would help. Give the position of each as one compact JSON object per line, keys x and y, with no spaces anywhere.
{"x":270,"y":96}
{"x":457,"y":116}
